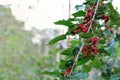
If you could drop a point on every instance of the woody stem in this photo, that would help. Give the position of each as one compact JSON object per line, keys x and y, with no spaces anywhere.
{"x":91,"y":21}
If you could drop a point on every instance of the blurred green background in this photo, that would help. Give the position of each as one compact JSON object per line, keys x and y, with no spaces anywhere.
{"x":24,"y":54}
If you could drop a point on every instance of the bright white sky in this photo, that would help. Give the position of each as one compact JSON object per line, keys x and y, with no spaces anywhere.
{"x":43,"y":12}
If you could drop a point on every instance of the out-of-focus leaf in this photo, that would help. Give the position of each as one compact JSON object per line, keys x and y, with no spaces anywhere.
{"x":98,"y":32}
{"x":113,"y":14}
{"x":79,"y":7}
{"x":115,"y":77}
{"x":52,"y":72}
{"x":74,"y":42}
{"x":86,"y":35}
{"x":110,"y":49}
{"x":62,"y":64}
{"x":67,"y":23}
{"x":79,"y":14}
{"x":102,"y":42}
{"x":56,"y":39}
{"x":118,"y":37}
{"x":83,"y":60}
{"x":102,"y":50}
{"x":67,"y":52}
{"x":95,"y":63}
{"x":107,"y":33}
{"x":75,"y":51}
{"x":79,"y":75}
{"x":69,"y":63}
{"x":86,"y":68}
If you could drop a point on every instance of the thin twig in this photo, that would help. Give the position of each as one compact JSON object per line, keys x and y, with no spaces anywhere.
{"x":76,"y":59}
{"x":93,"y":16}
{"x":91,"y":21}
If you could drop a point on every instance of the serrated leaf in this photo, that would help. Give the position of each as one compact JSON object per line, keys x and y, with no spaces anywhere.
{"x":79,"y":14}
{"x":56,"y":39}
{"x":86,"y":35}
{"x":67,"y":23}
{"x":67,"y":52}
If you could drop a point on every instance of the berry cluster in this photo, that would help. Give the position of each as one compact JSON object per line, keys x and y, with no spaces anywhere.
{"x":91,"y":47}
{"x":83,"y":27}
{"x":69,"y":67}
{"x":67,"y":72}
{"x":88,"y":15}
{"x":106,"y":18}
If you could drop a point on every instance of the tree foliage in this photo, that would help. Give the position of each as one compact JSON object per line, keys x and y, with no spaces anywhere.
{"x":98,"y":29}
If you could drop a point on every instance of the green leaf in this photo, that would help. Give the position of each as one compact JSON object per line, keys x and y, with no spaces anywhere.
{"x":95,"y":63}
{"x":102,"y":41}
{"x":79,"y":14}
{"x":88,"y":2}
{"x":56,"y":39}
{"x":75,"y":51}
{"x":86,"y":35}
{"x":67,"y":52}
{"x":118,"y":37}
{"x":110,"y":49}
{"x":107,"y":33}
{"x":98,"y":32}
{"x":70,"y":29}
{"x":83,"y":60}
{"x":69,"y":63}
{"x":62,"y":64}
{"x":75,"y":42}
{"x":52,"y":72}
{"x":101,"y":10}
{"x":64,"y":22}
{"x":102,"y":50}
{"x":113,"y":14}
{"x":86,"y":68}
